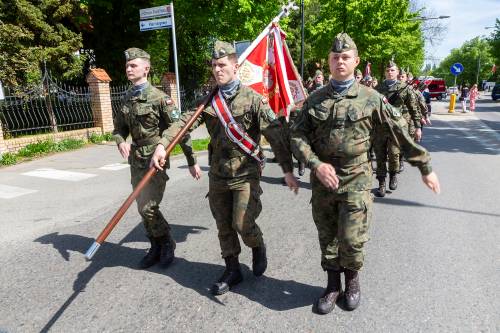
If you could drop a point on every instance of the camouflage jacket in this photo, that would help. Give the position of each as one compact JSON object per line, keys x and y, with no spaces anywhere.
{"x":252,"y":112}
{"x":422,"y":106}
{"x":401,"y":96}
{"x":340,"y":129}
{"x":145,"y":117}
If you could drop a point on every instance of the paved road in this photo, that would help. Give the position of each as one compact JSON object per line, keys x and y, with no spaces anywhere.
{"x":432,"y":263}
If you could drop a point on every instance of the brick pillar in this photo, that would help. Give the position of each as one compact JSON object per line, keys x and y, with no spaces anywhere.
{"x":100,"y":96}
{"x":3,"y":146}
{"x":170,"y":86}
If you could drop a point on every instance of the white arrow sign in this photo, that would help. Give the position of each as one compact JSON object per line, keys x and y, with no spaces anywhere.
{"x":457,"y":69}
{"x":161,"y":23}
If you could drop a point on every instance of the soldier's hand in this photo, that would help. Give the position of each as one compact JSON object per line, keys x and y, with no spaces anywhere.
{"x":418,"y":134}
{"x":327,"y":175}
{"x":158,"y":159}
{"x":432,"y":182}
{"x":291,"y":182}
{"x":195,"y":171}
{"x":124,"y":149}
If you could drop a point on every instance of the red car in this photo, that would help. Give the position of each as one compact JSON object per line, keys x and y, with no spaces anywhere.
{"x":437,"y":86}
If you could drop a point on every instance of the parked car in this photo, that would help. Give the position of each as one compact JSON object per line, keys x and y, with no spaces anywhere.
{"x":495,"y":93}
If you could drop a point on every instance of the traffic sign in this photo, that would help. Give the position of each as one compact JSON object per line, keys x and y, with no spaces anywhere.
{"x":153,"y":12}
{"x":456,"y":68}
{"x":161,"y":23}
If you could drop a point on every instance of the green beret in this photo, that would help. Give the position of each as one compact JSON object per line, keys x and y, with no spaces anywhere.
{"x":391,"y":63}
{"x":134,"y":53}
{"x":410,"y":74}
{"x":402,"y":71}
{"x":222,"y":49}
{"x":358,"y":72}
{"x":343,"y":43}
{"x":318,"y":72}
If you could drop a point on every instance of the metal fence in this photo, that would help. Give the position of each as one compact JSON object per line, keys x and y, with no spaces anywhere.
{"x":187,"y":103}
{"x":48,"y":107}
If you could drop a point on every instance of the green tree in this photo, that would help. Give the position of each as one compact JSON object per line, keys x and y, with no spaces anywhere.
{"x":495,"y":49}
{"x":32,"y":32}
{"x":472,"y":53}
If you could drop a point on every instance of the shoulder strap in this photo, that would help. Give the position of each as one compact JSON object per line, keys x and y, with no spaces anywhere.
{"x":233,"y":130}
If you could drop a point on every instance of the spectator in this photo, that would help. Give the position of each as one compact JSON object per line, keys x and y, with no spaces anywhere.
{"x":464,"y":95}
{"x":473,"y":95}
{"x":427,"y":96}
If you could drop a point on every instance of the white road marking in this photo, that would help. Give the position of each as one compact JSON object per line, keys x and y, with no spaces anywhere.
{"x":114,"y":166}
{"x":70,"y":176}
{"x":9,"y":192}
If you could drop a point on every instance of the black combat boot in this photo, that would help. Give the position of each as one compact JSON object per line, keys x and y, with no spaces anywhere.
{"x":302,"y":168}
{"x":259,"y":260}
{"x":352,"y":294}
{"x":327,"y":302}
{"x":393,"y":181}
{"x":381,"y":187}
{"x":231,"y":276}
{"x":153,"y":254}
{"x":167,"y":245}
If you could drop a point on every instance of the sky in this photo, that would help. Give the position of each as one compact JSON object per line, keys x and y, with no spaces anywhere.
{"x":468,"y":20}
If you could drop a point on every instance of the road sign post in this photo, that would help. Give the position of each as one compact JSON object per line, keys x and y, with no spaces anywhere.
{"x":456,"y":69}
{"x":162,"y":17}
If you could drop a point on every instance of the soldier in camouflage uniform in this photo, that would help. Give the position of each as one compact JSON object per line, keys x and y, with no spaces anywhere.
{"x":145,"y":114}
{"x":332,"y":135}
{"x":234,"y":177}
{"x":399,"y":95}
{"x":318,"y":81}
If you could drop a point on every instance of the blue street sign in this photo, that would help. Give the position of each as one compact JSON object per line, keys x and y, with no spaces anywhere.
{"x":456,"y":68}
{"x":161,"y":23}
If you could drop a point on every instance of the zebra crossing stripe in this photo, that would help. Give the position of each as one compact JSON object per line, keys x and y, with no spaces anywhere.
{"x":9,"y":192}
{"x":70,"y":176}
{"x":114,"y":167}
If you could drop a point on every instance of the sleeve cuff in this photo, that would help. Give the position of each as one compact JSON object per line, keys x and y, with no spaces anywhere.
{"x":314,"y":163}
{"x":191,"y":160}
{"x":286,"y":167}
{"x":425,"y":169}
{"x":164,"y":142}
{"x":118,"y":139}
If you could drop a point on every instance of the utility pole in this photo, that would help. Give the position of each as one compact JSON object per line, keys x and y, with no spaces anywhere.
{"x":302,"y":39}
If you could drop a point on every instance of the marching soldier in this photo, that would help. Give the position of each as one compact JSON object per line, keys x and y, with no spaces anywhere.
{"x":358,"y":75}
{"x":145,"y":114}
{"x":235,"y":120}
{"x":332,"y":135}
{"x":398,"y":94}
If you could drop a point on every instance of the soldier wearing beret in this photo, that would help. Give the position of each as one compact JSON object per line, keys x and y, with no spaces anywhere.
{"x":234,"y":177}
{"x":358,"y":75}
{"x":146,"y":112}
{"x":318,"y":81}
{"x":332,"y":135}
{"x":400,"y":95}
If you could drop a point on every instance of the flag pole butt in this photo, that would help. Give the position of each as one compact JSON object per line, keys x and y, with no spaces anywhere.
{"x":92,"y":250}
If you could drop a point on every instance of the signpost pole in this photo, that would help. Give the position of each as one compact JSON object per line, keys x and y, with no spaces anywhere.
{"x":179,"y":106}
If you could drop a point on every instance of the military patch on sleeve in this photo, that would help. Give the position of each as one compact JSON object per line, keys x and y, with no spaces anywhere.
{"x":384,"y":99}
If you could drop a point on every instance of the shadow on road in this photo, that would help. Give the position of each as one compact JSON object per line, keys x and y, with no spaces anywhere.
{"x":399,"y":202}
{"x":278,"y":295}
{"x":279,"y":181}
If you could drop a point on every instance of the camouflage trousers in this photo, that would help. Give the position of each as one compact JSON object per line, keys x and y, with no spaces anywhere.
{"x":386,"y":151}
{"x":235,"y":205}
{"x":342,"y":220}
{"x":149,"y":199}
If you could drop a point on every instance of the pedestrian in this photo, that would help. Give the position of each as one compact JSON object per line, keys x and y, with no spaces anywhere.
{"x":424,"y":88}
{"x":358,"y":75}
{"x":473,"y":95}
{"x":145,"y":113}
{"x":400,"y":95}
{"x":464,"y":95}
{"x":332,"y":134}
{"x":234,"y":178}
{"x":318,"y":81}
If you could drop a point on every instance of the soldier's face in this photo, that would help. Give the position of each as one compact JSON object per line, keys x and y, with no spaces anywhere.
{"x":224,"y":70}
{"x":391,"y":73}
{"x":137,"y":70}
{"x":319,"y":79}
{"x":402,"y":77}
{"x":342,"y":65}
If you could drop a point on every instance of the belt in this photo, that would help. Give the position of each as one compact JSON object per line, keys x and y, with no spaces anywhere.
{"x":147,"y":141}
{"x":348,"y":161}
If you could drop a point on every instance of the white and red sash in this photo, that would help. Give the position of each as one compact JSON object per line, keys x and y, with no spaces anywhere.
{"x":233,"y":130}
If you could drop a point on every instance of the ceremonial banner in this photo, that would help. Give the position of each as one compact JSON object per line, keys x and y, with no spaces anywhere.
{"x":267,"y":67}
{"x":368,"y":70}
